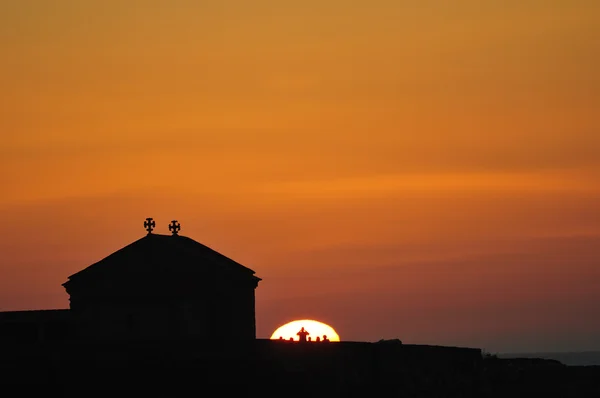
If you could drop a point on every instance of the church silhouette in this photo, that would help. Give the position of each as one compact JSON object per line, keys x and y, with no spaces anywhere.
{"x":163,"y":286}
{"x":158,"y":287}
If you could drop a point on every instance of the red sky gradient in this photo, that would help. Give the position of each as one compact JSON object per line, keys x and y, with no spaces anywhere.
{"x":428,"y":171}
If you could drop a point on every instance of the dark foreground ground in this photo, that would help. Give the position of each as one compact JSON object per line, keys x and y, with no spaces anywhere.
{"x":538,"y":378}
{"x":274,"y":368}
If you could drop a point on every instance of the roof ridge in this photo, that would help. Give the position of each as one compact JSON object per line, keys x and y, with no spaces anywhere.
{"x":154,"y":249}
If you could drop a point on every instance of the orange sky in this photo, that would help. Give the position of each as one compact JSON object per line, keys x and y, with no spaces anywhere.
{"x":428,"y":171}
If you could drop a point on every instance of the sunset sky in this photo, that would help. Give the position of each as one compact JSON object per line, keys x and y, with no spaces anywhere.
{"x":425,"y":170}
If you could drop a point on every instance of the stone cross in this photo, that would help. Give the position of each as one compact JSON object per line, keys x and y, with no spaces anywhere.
{"x":174,"y":227}
{"x":149,"y":224}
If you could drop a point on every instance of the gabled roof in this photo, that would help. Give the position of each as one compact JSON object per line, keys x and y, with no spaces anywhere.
{"x":157,"y":254}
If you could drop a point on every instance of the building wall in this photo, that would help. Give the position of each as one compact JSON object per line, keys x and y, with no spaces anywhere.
{"x":233,"y":316}
{"x":221,"y":312}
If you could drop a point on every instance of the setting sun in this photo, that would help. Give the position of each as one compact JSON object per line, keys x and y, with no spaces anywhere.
{"x":316,"y":331}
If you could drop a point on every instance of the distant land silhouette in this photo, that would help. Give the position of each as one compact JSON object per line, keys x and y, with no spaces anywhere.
{"x":576,"y":358}
{"x":168,"y":314}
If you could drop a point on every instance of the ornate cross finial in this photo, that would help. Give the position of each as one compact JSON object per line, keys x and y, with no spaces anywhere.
{"x":174,"y":227}
{"x":149,"y":224}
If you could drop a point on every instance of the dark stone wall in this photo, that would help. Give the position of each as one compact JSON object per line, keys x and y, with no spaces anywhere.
{"x":263,"y":367}
{"x":31,"y":326}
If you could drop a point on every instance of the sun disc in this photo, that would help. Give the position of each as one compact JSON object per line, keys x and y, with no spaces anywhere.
{"x":315,"y":329}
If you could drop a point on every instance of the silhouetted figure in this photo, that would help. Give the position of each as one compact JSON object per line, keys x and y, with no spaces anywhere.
{"x":302,"y":335}
{"x":291,"y":339}
{"x":318,"y":339}
{"x":309,"y":338}
{"x":280,"y":337}
{"x":325,"y":339}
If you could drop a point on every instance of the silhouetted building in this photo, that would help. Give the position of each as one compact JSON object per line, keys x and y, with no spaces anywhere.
{"x":160,"y":286}
{"x":164,"y":286}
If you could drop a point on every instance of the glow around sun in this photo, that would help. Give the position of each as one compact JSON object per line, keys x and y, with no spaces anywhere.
{"x":314,"y":328}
